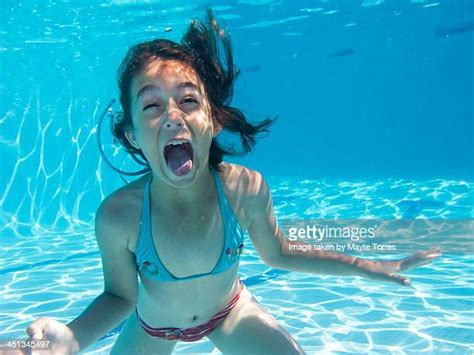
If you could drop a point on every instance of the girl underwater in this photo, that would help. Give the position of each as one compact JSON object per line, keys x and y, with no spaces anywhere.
{"x":180,"y":227}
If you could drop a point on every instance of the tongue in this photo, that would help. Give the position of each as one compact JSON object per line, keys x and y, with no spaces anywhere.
{"x":179,"y":161}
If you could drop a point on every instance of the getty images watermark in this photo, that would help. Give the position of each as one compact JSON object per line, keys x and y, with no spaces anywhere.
{"x":379,"y":236}
{"x":343,"y":238}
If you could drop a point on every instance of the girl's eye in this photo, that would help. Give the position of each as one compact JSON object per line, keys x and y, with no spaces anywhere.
{"x":150,"y":105}
{"x":189,"y":99}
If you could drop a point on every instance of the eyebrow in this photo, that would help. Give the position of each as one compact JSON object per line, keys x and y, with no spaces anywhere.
{"x":151,"y":87}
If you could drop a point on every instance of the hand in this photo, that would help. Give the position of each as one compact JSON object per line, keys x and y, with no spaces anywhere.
{"x":387,"y":270}
{"x":61,"y":336}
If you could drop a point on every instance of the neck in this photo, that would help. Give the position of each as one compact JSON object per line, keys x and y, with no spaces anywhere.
{"x":167,"y":197}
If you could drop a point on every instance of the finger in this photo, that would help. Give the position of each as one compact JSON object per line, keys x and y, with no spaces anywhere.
{"x":411,"y":263}
{"x":430,"y":253}
{"x":424,"y":262}
{"x":399,"y":279}
{"x":435,"y":252}
{"x":390,"y":277}
{"x":36,"y":329}
{"x":436,"y":249}
{"x":420,"y":258}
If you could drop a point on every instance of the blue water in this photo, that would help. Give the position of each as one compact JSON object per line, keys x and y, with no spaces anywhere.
{"x":374,"y":105}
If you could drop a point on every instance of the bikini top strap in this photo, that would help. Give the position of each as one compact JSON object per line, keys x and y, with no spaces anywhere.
{"x":220,"y":190}
{"x":146,"y":206}
{"x":226,"y":209}
{"x":142,"y":249}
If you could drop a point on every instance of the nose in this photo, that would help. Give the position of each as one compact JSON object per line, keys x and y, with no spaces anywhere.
{"x":174,"y":117}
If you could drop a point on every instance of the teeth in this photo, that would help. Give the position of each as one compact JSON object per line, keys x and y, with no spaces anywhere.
{"x":178,"y":142}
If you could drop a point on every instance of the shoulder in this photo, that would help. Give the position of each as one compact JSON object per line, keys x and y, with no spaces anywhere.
{"x":118,"y":215}
{"x":248,"y":184}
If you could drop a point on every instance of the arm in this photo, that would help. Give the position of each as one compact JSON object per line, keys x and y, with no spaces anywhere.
{"x":275,"y":252}
{"x":120,"y":278}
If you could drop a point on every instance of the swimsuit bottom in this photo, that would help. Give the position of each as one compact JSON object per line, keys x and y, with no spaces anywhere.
{"x":193,"y":333}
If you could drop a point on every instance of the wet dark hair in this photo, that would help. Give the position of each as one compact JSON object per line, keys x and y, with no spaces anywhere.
{"x":199,"y":48}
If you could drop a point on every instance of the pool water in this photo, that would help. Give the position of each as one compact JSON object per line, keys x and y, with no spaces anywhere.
{"x":59,"y":274}
{"x":375,"y":123}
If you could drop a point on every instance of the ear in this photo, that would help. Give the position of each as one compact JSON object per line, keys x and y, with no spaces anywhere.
{"x":131,"y":138}
{"x":217,"y":128}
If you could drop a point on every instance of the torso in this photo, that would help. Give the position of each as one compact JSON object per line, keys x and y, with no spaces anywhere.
{"x":188,"y":244}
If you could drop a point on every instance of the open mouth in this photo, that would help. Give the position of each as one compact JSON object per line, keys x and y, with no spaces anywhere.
{"x":179,"y":156}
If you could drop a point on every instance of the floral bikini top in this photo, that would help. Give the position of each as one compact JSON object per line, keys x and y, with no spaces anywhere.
{"x":146,"y":256}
